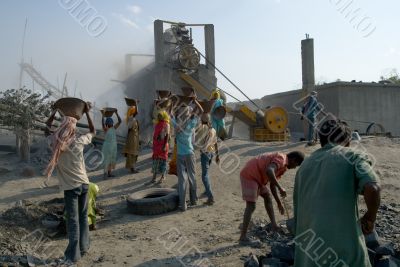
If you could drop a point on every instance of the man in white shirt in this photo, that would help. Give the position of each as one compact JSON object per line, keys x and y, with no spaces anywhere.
{"x":68,"y":160}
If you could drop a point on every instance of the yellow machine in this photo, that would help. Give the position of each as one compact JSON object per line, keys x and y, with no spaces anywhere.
{"x":265,"y":125}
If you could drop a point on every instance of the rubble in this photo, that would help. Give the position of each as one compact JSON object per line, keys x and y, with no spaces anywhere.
{"x":22,"y":225}
{"x":251,"y":261}
{"x":383,"y":243}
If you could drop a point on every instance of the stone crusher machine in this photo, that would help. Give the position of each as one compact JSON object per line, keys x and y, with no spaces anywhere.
{"x":264,"y":125}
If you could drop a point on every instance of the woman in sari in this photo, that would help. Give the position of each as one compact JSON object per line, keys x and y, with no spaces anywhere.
{"x":160,"y":145}
{"x":131,"y":149}
{"x":109,"y":148}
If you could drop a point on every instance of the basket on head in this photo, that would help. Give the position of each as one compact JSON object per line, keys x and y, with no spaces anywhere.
{"x":206,"y":105}
{"x":71,"y":107}
{"x":108,"y":112}
{"x":131,"y":102}
{"x":163,"y":103}
{"x":188,"y":91}
{"x":163,"y":93}
{"x":178,"y":100}
{"x":219,"y":113}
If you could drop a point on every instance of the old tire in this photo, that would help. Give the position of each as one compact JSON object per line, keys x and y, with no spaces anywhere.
{"x":153,"y":201}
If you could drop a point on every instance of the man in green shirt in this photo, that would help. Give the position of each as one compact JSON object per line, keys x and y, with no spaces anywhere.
{"x":328,"y":229}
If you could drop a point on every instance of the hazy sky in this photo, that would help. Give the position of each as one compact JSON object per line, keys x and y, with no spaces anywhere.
{"x":257,"y":42}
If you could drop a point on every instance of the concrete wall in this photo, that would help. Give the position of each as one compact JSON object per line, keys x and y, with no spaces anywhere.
{"x":370,"y":103}
{"x":356,"y":103}
{"x":292,"y":101}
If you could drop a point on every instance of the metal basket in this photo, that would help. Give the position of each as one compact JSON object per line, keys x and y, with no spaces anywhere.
{"x":219,"y":113}
{"x":163,"y":94}
{"x":188,"y":91}
{"x":207,"y":105}
{"x":71,"y":107}
{"x":108,"y":112}
{"x":131,"y":102}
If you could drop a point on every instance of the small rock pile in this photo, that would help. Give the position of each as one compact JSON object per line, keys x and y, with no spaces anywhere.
{"x":383,"y":244}
{"x":388,"y":225}
{"x":25,"y":225}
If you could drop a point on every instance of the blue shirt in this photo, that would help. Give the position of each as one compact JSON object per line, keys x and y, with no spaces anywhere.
{"x":217,"y":124}
{"x":184,"y":136}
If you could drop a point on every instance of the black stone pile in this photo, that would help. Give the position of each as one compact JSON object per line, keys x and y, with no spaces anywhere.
{"x":388,"y":225}
{"x":383,"y":244}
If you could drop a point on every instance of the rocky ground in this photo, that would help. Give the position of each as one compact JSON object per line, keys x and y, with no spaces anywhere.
{"x":207,"y":234}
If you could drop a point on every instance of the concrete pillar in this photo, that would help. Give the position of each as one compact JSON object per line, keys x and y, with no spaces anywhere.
{"x":210,"y":46}
{"x":307,"y":59}
{"x":159,"y":54}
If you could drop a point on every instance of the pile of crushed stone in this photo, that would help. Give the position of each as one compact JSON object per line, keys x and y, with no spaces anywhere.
{"x":388,"y":225}
{"x":27,"y":230}
{"x":383,"y":246}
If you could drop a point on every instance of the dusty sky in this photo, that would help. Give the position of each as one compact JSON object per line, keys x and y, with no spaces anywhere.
{"x":257,"y":42}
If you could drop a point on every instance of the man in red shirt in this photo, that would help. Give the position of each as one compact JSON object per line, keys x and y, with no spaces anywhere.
{"x":255,"y":177}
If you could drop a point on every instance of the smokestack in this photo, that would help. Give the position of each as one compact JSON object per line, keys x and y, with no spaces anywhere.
{"x":307,"y":59}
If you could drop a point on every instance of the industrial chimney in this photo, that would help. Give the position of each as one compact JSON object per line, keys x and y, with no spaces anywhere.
{"x":307,"y":58}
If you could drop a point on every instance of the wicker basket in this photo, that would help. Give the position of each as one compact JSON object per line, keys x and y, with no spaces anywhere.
{"x":71,"y":107}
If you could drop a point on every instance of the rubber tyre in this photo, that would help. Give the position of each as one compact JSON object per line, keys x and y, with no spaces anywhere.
{"x":166,"y":200}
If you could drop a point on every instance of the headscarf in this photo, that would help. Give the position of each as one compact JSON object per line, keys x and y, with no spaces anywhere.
{"x":131,"y":112}
{"x":109,"y":121}
{"x":215,"y":94}
{"x":60,"y":141}
{"x":164,"y":116}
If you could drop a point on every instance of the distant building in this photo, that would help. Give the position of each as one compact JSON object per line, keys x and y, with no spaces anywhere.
{"x":357,"y":103}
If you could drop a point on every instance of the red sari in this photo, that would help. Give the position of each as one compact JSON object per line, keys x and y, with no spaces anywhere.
{"x":161,"y":130}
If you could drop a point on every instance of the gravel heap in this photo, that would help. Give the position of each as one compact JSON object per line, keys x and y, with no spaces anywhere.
{"x":27,"y":228}
{"x":383,"y":246}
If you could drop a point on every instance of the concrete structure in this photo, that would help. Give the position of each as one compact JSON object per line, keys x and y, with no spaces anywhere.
{"x":307,"y":61}
{"x":165,"y":73}
{"x":357,"y":103}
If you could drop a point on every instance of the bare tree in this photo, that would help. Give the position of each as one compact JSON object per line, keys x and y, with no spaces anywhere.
{"x":21,"y":109}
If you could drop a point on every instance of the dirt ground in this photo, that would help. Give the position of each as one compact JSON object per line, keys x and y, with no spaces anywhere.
{"x":209,"y":232}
